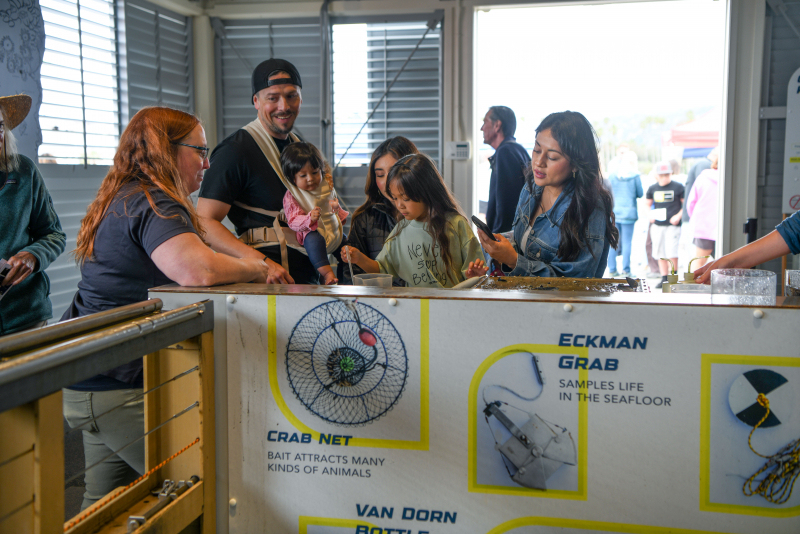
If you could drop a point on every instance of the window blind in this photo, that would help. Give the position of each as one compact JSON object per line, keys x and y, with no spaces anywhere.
{"x":158,"y":45}
{"x":79,"y":116}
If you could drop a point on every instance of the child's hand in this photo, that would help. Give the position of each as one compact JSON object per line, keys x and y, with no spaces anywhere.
{"x":315,"y":213}
{"x":334,"y":205}
{"x":355,"y":254}
{"x":476,"y":268}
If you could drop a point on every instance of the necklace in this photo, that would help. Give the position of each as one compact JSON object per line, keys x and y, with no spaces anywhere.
{"x":542,"y":203}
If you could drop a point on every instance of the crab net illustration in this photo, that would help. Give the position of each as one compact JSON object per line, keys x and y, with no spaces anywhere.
{"x":346,"y":363}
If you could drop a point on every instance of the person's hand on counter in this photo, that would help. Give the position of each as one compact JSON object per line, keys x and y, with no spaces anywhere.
{"x":767,"y":248}
{"x":703,"y":274}
{"x":501,"y":250}
{"x":276,"y":274}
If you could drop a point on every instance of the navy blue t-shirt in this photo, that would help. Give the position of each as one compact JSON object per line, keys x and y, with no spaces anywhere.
{"x":120,"y":271}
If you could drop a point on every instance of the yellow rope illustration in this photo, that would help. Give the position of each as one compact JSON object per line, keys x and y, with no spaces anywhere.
{"x":783,"y":467}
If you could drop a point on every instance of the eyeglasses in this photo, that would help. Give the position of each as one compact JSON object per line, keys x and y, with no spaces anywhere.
{"x":203,"y":149}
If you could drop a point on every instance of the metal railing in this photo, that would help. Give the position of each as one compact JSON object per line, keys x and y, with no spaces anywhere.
{"x":36,"y":365}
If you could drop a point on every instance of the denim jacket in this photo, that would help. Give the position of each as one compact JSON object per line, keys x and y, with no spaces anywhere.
{"x":540,"y":257}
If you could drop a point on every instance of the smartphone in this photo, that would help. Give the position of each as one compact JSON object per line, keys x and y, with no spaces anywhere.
{"x":483,"y":227}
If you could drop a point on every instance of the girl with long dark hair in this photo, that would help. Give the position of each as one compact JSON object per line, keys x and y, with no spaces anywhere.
{"x":564,"y":224}
{"x":433,"y":246}
{"x":373,"y":221}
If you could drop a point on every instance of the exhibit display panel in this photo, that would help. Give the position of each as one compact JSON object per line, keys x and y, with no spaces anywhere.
{"x":361,"y":410}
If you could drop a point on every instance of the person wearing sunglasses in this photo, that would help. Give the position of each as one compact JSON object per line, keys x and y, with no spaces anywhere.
{"x":141,"y":231}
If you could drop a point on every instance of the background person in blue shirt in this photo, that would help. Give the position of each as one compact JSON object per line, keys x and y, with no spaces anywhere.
{"x":564,"y":224}
{"x":626,"y":186}
{"x":508,"y":164}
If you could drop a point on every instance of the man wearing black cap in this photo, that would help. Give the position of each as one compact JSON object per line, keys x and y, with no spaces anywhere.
{"x":246,"y":184}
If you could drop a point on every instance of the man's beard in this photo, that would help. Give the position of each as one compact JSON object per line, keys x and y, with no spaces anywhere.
{"x":275,"y":128}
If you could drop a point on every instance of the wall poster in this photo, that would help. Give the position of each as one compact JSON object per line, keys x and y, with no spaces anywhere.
{"x":491,"y":417}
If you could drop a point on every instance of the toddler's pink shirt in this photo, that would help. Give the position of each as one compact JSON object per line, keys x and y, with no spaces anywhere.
{"x":300,"y":221}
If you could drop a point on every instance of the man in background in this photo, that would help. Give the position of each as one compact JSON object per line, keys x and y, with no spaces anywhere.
{"x":666,"y":199}
{"x":508,"y":167}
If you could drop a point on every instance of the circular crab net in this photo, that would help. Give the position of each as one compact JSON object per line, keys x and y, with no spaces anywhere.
{"x":338,"y":377}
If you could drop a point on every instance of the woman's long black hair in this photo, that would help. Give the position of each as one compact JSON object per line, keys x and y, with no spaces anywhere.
{"x":578,"y":142}
{"x":396,"y":146}
{"x":417,"y":178}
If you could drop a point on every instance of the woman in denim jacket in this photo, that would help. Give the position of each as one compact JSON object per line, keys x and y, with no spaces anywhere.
{"x":564,"y":223}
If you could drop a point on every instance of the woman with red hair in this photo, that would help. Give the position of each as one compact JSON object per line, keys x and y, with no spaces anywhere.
{"x":140,"y":232}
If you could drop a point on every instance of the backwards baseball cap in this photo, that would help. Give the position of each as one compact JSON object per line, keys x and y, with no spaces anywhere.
{"x":663,"y":167}
{"x":270,"y":67}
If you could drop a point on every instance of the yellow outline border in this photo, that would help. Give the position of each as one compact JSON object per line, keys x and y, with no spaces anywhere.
{"x":306,"y":520}
{"x":620,"y":528}
{"x":424,"y":396}
{"x":707,"y":360}
{"x":583,"y":426}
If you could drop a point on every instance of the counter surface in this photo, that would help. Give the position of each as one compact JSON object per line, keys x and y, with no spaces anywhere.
{"x":465,"y":294}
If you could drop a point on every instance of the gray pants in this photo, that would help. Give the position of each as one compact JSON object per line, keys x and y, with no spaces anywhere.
{"x":106,"y":435}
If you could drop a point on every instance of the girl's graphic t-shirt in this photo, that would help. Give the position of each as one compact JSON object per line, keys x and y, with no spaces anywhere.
{"x":412,"y":256}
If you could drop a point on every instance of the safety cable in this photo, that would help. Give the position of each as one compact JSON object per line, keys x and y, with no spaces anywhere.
{"x":777,"y":485}
{"x":20,"y":455}
{"x":73,"y":477}
{"x":15,"y":510}
{"x":431,"y":25}
{"x":539,"y":378}
{"x":133,"y":399}
{"x":110,"y":497}
{"x":219,"y":29}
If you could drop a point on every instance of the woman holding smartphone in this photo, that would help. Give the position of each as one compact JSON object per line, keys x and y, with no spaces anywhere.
{"x":564,"y":223}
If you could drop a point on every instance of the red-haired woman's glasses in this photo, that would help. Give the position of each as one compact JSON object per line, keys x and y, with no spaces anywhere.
{"x":203,"y":149}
